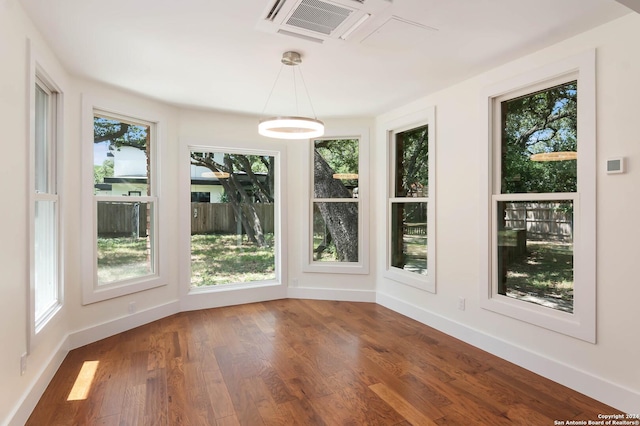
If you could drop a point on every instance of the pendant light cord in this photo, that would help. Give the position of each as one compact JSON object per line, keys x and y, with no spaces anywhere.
{"x":272,"y":89}
{"x":307,"y":92}
{"x":295,"y":91}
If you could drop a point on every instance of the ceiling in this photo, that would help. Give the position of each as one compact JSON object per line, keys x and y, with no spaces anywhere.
{"x":223,"y":55}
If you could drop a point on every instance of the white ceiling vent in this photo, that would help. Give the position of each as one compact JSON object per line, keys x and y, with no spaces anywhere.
{"x":319,"y":20}
{"x":318,"y":16}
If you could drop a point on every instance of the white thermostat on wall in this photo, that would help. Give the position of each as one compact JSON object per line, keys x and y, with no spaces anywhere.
{"x":615,"y":165}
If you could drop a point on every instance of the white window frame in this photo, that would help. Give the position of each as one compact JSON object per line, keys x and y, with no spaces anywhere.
{"x":38,"y":76}
{"x":361,"y":267}
{"x":92,"y":292}
{"x":581,"y":323}
{"x":392,"y":128}
{"x":279,"y":232}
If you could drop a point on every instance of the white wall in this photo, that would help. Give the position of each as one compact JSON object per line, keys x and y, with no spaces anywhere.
{"x":15,"y":29}
{"x":459,"y":139}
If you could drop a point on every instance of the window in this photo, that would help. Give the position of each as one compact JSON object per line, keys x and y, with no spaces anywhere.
{"x":45,"y":252}
{"x":411,"y":236}
{"x":234,"y":235}
{"x":335,"y":202}
{"x":542,"y":202}
{"x":122,"y":162}
{"x":337,"y":240}
{"x":122,"y":234}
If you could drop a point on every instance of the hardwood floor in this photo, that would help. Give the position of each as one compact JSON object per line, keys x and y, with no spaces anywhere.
{"x":301,"y":362}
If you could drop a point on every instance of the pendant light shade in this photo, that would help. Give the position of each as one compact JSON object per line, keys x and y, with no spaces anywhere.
{"x":291,"y":127}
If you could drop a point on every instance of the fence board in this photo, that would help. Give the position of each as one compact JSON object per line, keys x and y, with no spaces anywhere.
{"x":209,"y":218}
{"x":118,"y":219}
{"x":541,"y":220}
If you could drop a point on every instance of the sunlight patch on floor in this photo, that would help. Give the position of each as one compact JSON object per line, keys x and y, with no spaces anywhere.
{"x":83,"y":382}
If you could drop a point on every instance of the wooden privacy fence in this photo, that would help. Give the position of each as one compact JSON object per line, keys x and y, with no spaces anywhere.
{"x":541,"y":220}
{"x":126,"y":219}
{"x":122,"y":219}
{"x":209,"y":218}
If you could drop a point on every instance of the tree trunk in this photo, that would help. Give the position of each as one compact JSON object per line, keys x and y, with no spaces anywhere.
{"x":263,"y":193}
{"x":250,"y":220}
{"x":341,"y":218}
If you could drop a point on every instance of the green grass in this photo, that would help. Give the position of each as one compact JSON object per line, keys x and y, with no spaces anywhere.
{"x":329,"y":254}
{"x":415,"y":249}
{"x":218,"y":259}
{"x":544,"y":276}
{"x":215,"y":259}
{"x":122,"y":258}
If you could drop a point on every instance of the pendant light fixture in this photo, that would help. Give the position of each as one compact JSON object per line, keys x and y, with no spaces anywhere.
{"x":291,"y":127}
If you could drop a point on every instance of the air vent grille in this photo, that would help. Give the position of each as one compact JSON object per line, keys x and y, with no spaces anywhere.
{"x":318,"y":16}
{"x":273,"y":12}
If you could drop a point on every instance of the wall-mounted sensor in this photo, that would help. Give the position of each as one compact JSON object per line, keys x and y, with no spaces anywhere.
{"x":615,"y":165}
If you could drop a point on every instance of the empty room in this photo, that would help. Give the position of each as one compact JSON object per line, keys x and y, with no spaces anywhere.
{"x":319,"y":212}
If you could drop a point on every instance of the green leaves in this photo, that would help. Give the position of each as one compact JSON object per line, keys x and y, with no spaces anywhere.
{"x":119,"y":134}
{"x":542,"y":122}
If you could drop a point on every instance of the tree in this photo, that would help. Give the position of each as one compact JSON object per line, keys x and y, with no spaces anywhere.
{"x":412,"y":162}
{"x":237,"y":193}
{"x":340,"y":218}
{"x":251,"y":178}
{"x":538,"y":123}
{"x":119,"y":134}
{"x":543,"y":122}
{"x":103,"y":171}
{"x":411,"y":180}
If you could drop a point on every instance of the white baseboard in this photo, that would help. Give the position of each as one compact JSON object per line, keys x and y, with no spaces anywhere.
{"x":586,"y":383}
{"x":107,"y":329}
{"x":34,"y":392}
{"x":332,"y":294}
{"x":231,"y":295}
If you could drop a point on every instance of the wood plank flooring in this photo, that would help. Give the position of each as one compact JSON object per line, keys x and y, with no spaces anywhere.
{"x":299,"y":362}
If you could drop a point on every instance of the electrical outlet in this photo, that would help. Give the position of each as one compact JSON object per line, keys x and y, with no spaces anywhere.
{"x":23,"y":364}
{"x":461,"y":303}
{"x":132,"y":307}
{"x":294,"y":282}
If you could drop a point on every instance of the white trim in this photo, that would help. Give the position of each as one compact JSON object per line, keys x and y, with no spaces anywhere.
{"x":391,"y":127}
{"x":343,"y":295}
{"x":582,"y":323}
{"x":91,"y":291}
{"x":229,"y":295}
{"x":38,"y":73}
{"x":617,"y":396}
{"x":360,"y":267}
{"x":34,"y":391}
{"x":96,"y":332}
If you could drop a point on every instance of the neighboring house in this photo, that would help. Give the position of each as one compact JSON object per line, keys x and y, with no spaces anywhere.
{"x":129,"y":177}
